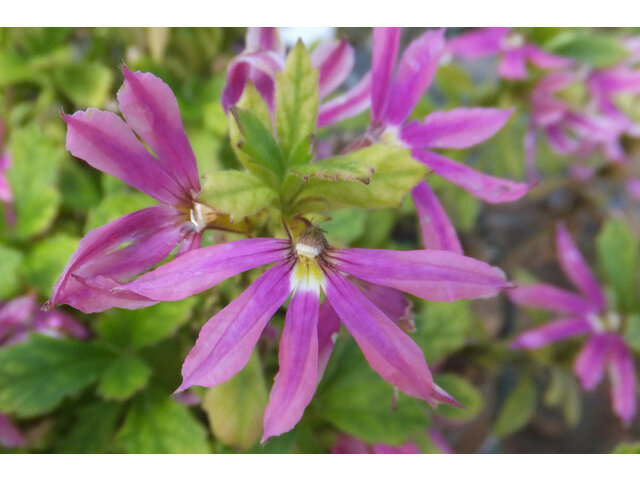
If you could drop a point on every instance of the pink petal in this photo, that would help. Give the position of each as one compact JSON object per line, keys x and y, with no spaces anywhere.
{"x":328,"y":329}
{"x":297,"y":377}
{"x":17,"y":311}
{"x":552,"y":332}
{"x":485,"y":187}
{"x":335,"y":60}
{"x":201,"y":269}
{"x":622,"y":373}
{"x":389,"y":351}
{"x":590,"y":363}
{"x":150,"y":234}
{"x":513,"y":64}
{"x":105,"y":142}
{"x":576,"y":268}
{"x":407,"y":448}
{"x":416,"y":70}
{"x":430,"y":274}
{"x":548,"y":297}
{"x":347,"y":105}
{"x":225,"y":342}
{"x":151,"y":110}
{"x":546,"y":60}
{"x":347,"y":445}
{"x":56,"y":322}
{"x":458,"y":128}
{"x":478,"y":43}
{"x":386,"y":42}
{"x":264,"y":38}
{"x":393,"y":303}
{"x":10,"y":436}
{"x":437,"y":231}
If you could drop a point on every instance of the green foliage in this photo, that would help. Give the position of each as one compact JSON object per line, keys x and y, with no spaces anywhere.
{"x":464,"y":392}
{"x":115,"y":205}
{"x":79,"y":188}
{"x":627,"y":447}
{"x":86,"y":84}
{"x":335,"y":169}
{"x":518,"y":408}
{"x":93,"y":429}
{"x":596,"y":49}
{"x":157,"y":424}
{"x":564,"y":392}
{"x":632,"y":332}
{"x":10,"y":261}
{"x":123,"y":378}
{"x":45,"y":262}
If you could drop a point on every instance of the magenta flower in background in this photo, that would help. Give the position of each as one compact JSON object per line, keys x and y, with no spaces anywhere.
{"x":512,"y":48}
{"x":585,"y":313}
{"x":349,"y":445}
{"x":303,"y":269}
{"x":264,"y":56}
{"x":6,"y":196}
{"x":10,"y":436}
{"x":109,"y":143}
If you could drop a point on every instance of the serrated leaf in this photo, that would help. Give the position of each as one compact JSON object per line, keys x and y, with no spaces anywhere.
{"x":36,"y":375}
{"x":238,"y":194}
{"x":336,"y":169}
{"x":157,"y":424}
{"x":597,"y":50}
{"x":618,"y":254}
{"x":235,"y":408}
{"x":123,"y":378}
{"x":93,"y":429}
{"x":464,"y":392}
{"x":45,"y":262}
{"x":395,"y":174}
{"x":10,"y":261}
{"x":518,"y":408}
{"x":296,"y":100}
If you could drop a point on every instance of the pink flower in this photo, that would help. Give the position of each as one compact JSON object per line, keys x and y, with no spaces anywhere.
{"x":10,"y":436}
{"x":303,"y":269}
{"x":6,"y":196}
{"x":585,"y":313}
{"x":135,"y":242}
{"x":347,"y":444}
{"x":264,"y":56}
{"x":512,"y":48}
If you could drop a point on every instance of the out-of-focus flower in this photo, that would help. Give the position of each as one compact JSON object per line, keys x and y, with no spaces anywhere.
{"x":264,"y":56}
{"x":512,"y":48}
{"x":10,"y":436}
{"x":583,"y":314}
{"x":303,"y":268}
{"x":6,"y":196}
{"x":349,"y":445}
{"x":135,"y":242}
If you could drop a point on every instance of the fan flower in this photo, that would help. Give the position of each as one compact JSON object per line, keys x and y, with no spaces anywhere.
{"x":512,"y":48}
{"x":304,"y":268}
{"x":6,"y":196}
{"x":137,"y":241}
{"x":264,"y":56}
{"x":586,"y":313}
{"x":346,"y":444}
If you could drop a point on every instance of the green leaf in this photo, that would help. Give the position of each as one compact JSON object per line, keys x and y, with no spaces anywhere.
{"x":85,"y":84}
{"x":116,"y":205}
{"x":464,"y":392}
{"x":235,"y":407}
{"x":10,"y":261}
{"x":47,"y":260}
{"x":632,"y":332}
{"x":140,"y":328}
{"x":627,"y":447}
{"x":345,"y":227}
{"x":93,"y":429}
{"x":157,"y":424}
{"x":13,"y":68}
{"x":395,"y":174}
{"x":518,"y":408}
{"x":357,"y":401}
{"x":618,"y":255}
{"x":79,"y":189}
{"x":123,"y":378}
{"x":597,"y":50}
{"x":236,"y":193}
{"x":297,"y":98}
{"x":336,"y":169}
{"x":36,"y":375}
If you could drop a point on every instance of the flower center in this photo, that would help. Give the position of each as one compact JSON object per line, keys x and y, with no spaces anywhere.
{"x":514,"y":40}
{"x":309,"y":248}
{"x":607,"y":322}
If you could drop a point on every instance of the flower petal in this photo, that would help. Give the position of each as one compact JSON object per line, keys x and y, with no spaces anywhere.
{"x":347,"y":105}
{"x":552,"y":332}
{"x":548,"y":297}
{"x":576,"y":268}
{"x":328,"y":329}
{"x":384,"y":53}
{"x":105,"y":142}
{"x":10,"y":436}
{"x":590,"y":363}
{"x":389,"y":351}
{"x":56,"y":322}
{"x":457,"y":128}
{"x":485,"y":187}
{"x":200,"y":269}
{"x":416,"y":70}
{"x":151,"y":110}
{"x":393,"y":303}
{"x":546,"y":60}
{"x":478,"y":43}
{"x":264,"y":38}
{"x":227,"y":339}
{"x":434,"y":275}
{"x":335,"y":60}
{"x":623,"y":378}
{"x":297,"y":376}
{"x":437,"y":231}
{"x":513,"y":64}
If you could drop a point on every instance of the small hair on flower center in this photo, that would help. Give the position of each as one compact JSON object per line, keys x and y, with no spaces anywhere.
{"x":311,"y":243}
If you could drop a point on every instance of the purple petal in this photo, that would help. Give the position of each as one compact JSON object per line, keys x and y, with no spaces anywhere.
{"x":407,"y":448}
{"x":335,"y":60}
{"x":590,"y":363}
{"x":513,"y":64}
{"x":546,"y":60}
{"x":485,"y":187}
{"x":151,"y":110}
{"x":56,"y":322}
{"x":430,"y":274}
{"x":264,"y":38}
{"x":347,"y":105}
{"x":479,"y":43}
{"x":389,"y":351}
{"x":458,"y":128}
{"x":227,"y":339}
{"x":297,"y":376}
{"x":436,"y":228}
{"x":15,"y":317}
{"x":328,"y":329}
{"x":416,"y":70}
{"x":548,"y":297}
{"x":386,"y":42}
{"x":393,"y":303}
{"x":576,"y":268}
{"x":105,"y":142}
{"x":552,"y":332}
{"x":201,"y":269}
{"x":10,"y":436}
{"x":150,"y":234}
{"x":622,"y":374}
